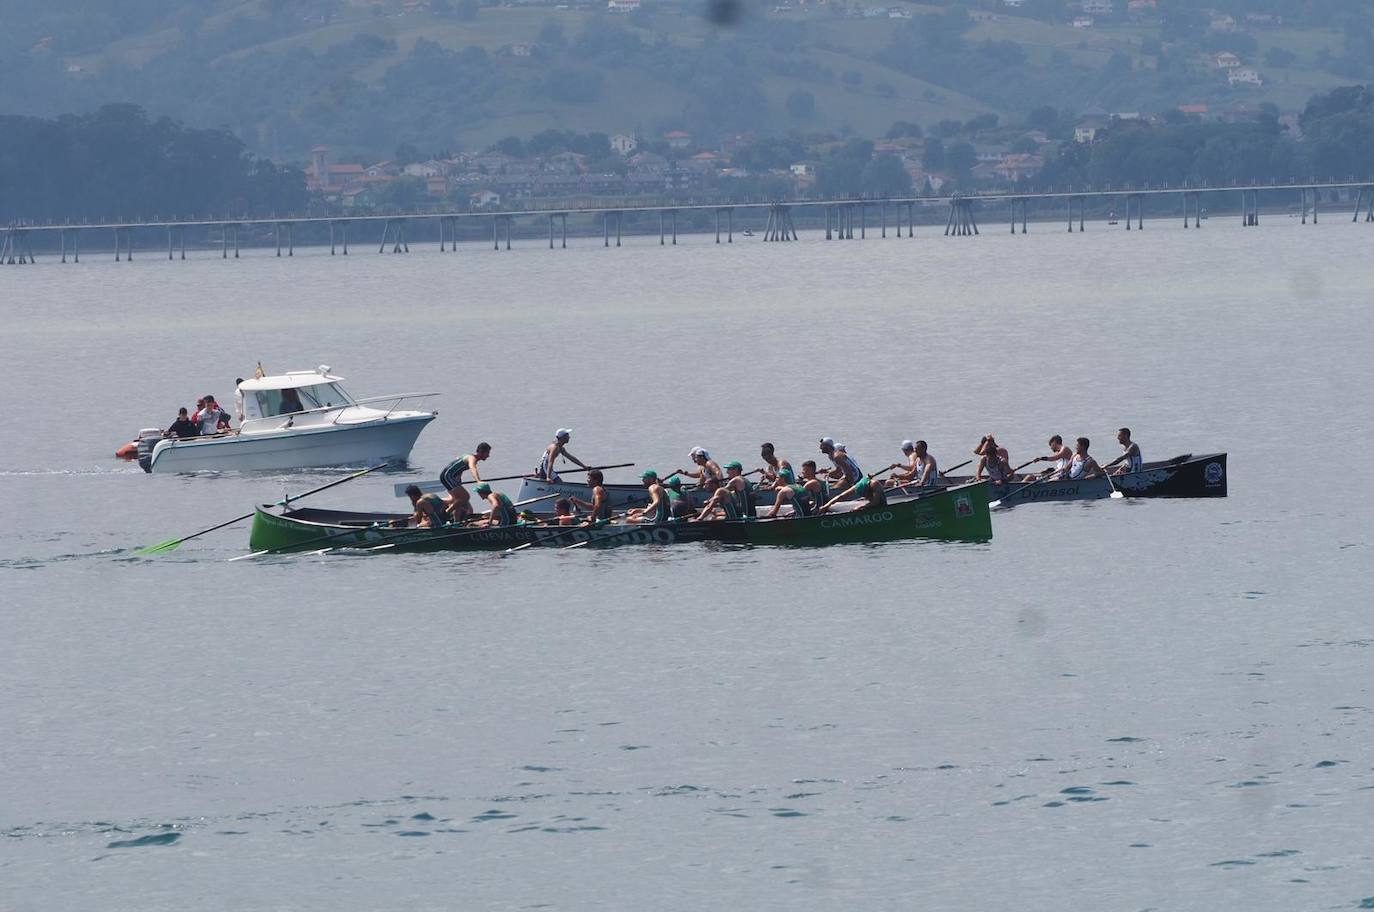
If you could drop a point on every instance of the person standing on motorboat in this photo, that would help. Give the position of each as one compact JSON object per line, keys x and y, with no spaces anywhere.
{"x":210,"y":417}
{"x":459,"y":502}
{"x":1134,"y":462}
{"x":547,"y":470}
{"x":238,"y":400}
{"x":183,"y":427}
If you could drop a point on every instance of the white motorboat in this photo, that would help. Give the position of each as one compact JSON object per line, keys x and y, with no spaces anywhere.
{"x":299,"y":420}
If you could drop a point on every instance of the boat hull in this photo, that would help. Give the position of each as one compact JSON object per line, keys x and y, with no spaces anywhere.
{"x":389,"y":440}
{"x":954,"y":514}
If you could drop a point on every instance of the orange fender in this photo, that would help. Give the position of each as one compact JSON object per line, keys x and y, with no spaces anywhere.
{"x":128,"y":451}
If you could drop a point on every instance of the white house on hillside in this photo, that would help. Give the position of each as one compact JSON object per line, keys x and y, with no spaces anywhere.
{"x":623,"y":144}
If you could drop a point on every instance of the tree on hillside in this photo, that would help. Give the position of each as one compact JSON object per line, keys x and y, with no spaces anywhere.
{"x":885,"y":176}
{"x":801,"y":105}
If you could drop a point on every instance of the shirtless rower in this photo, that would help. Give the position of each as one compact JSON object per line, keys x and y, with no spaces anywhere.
{"x":870,"y":490}
{"x":790,"y":493}
{"x":706,"y":467}
{"x":1134,"y":462}
{"x":547,"y":470}
{"x":771,"y":464}
{"x":459,"y":502}
{"x":658,"y":510}
{"x":501,"y":512}
{"x":599,"y":507}
{"x":1081,"y":465}
{"x":846,"y":470}
{"x":1060,"y":455}
{"x":993,"y":460}
{"x":429,"y":509}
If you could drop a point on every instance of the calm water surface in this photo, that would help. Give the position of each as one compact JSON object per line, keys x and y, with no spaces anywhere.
{"x":1117,"y":705}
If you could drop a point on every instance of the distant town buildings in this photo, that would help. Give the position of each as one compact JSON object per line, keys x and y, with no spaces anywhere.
{"x":1244,"y":76}
{"x":623,"y":144}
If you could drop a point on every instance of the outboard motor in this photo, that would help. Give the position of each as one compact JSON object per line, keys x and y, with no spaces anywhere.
{"x":147,"y":439}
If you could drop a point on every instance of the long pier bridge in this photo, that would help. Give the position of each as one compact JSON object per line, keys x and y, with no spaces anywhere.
{"x":843,"y":219}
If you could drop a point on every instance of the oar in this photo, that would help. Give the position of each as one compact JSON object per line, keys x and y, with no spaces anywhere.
{"x":430,"y":487}
{"x":552,"y":538}
{"x":1116,"y":495}
{"x":952,"y":468}
{"x":172,"y":544}
{"x":1029,"y":485}
{"x":627,"y":531}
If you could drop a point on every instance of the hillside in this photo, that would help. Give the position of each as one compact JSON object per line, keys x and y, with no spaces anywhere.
{"x":285,"y":75}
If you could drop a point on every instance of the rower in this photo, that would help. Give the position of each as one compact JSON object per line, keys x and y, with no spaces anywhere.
{"x":817,"y":488}
{"x":706,"y":467}
{"x":993,"y":460}
{"x":1081,"y":465}
{"x":459,"y":502}
{"x":563,"y":511}
{"x":846,"y":469}
{"x":546,"y":470}
{"x":1060,"y":455}
{"x":771,"y":464}
{"x":740,"y":489}
{"x":600,"y":505}
{"x":789,"y":492}
{"x":927,"y":472}
{"x":721,"y":499}
{"x":1134,"y":462}
{"x":429,"y":509}
{"x":865,"y":487}
{"x":908,"y":469}
{"x":679,"y":504}
{"x":658,"y":510}
{"x":502,"y":512}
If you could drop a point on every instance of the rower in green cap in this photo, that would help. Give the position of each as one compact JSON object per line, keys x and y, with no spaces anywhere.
{"x":658,"y":510}
{"x":721,"y":500}
{"x":679,"y":504}
{"x":502,"y":512}
{"x":740,"y":489}
{"x":789,"y":492}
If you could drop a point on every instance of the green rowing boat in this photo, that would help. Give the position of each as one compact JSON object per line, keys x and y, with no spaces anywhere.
{"x":954,"y":514}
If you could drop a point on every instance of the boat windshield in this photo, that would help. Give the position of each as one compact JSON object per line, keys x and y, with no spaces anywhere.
{"x":301,"y":399}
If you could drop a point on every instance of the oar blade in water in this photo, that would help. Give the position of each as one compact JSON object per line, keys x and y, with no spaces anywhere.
{"x":159,"y":548}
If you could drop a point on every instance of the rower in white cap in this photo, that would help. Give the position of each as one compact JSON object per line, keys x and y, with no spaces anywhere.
{"x":546,"y":470}
{"x":846,"y":470}
{"x":706,"y":467}
{"x":919,"y":470}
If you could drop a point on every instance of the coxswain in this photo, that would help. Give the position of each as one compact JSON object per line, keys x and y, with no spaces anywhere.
{"x":994,"y":463}
{"x":789,"y":492}
{"x":547,"y":470}
{"x":771,"y":464}
{"x":1060,"y":455}
{"x":846,"y":469}
{"x":459,"y":501}
{"x":870,"y":490}
{"x":706,"y":467}
{"x":658,"y":510}
{"x":1081,"y":465}
{"x":740,"y":489}
{"x":501,"y":512}
{"x":1133,"y":461}
{"x":429,"y":509}
{"x":599,"y":507}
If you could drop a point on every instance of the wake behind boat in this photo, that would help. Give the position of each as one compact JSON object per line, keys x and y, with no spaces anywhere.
{"x":299,"y":420}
